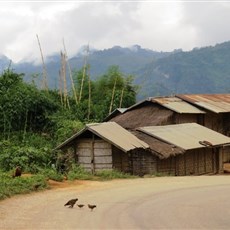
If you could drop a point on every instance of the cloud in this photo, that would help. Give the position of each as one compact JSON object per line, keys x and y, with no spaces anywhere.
{"x":161,"y":26}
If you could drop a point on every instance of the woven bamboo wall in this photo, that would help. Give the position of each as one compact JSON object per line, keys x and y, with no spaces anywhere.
{"x":193,"y":162}
{"x":143,"y":162}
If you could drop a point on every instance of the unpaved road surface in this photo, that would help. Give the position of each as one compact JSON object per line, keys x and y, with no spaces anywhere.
{"x":148,"y":203}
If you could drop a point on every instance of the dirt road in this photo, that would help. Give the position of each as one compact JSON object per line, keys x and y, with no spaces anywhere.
{"x":146,"y":203}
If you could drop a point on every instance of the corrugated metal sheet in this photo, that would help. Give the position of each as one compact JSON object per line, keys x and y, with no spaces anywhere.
{"x":186,"y":136}
{"x":173,"y":103}
{"x":113,"y":133}
{"x":217,"y":103}
{"x":177,"y":105}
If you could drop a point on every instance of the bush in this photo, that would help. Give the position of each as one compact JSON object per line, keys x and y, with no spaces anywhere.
{"x":78,"y":172}
{"x":52,"y":174}
{"x":11,"y":186}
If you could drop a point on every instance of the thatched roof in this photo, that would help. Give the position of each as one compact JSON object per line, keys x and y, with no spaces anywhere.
{"x":160,"y":148}
{"x":144,"y":115}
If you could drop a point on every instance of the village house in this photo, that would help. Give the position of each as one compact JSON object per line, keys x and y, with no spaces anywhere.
{"x":172,"y":136}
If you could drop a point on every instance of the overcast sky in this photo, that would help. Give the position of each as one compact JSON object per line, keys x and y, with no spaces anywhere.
{"x":156,"y":25}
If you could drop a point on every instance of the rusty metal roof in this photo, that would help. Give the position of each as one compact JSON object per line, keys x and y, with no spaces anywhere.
{"x":111,"y":132}
{"x":186,"y":136}
{"x":172,"y":103}
{"x":177,"y":105}
{"x":217,"y":103}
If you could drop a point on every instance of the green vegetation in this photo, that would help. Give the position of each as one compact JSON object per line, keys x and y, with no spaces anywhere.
{"x":34,"y":121}
{"x":12,"y":186}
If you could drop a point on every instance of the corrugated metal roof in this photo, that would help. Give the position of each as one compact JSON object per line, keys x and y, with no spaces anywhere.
{"x":177,"y":105}
{"x":113,"y":133}
{"x":173,"y":103}
{"x":186,"y":136}
{"x":217,"y":103}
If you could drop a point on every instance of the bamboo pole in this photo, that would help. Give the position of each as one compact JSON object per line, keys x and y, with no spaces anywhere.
{"x":121,"y":99}
{"x":84,"y":72}
{"x":112,"y":99}
{"x":60,"y":87}
{"x":70,"y":73}
{"x":44,"y":71}
{"x":89,"y":99}
{"x":63,"y":61}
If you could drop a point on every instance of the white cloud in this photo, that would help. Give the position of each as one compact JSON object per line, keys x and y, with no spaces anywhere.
{"x":161,"y":26}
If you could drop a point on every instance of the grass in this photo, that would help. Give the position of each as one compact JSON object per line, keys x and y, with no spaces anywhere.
{"x":11,"y":186}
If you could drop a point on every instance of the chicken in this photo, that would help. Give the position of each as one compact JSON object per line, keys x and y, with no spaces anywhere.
{"x":80,"y":205}
{"x":92,"y":206}
{"x":18,"y":172}
{"x":71,"y":202}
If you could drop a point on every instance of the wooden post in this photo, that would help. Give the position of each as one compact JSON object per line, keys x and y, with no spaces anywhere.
{"x":92,"y":155}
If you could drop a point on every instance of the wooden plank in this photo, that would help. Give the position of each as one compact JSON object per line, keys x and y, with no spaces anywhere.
{"x":83,"y":160}
{"x":103,"y":159}
{"x":103,"y":166}
{"x":102,"y":145}
{"x":84,"y":153}
{"x":103,"y":152}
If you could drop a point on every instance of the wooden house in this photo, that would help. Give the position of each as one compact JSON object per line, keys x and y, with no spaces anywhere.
{"x":201,"y":149}
{"x":158,"y":111}
{"x":103,"y":146}
{"x":217,"y":113}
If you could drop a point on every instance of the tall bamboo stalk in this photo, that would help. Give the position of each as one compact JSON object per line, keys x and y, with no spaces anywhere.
{"x":70,"y":73}
{"x":121,"y":98}
{"x":63,"y":71}
{"x":44,"y":71}
{"x":84,"y":72}
{"x":112,"y":99}
{"x":60,"y":87}
{"x":89,"y":99}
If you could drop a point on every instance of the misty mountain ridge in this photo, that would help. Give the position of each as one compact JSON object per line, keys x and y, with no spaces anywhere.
{"x":201,"y":70}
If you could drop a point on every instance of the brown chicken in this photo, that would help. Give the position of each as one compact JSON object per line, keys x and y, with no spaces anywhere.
{"x":71,"y":203}
{"x":80,"y":205}
{"x":18,"y":172}
{"x":92,"y":206}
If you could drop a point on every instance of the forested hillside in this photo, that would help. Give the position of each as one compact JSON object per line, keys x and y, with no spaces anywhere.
{"x":202,"y":70}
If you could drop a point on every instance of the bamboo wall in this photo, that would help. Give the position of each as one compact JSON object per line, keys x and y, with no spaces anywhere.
{"x":193,"y":162}
{"x":143,"y":162}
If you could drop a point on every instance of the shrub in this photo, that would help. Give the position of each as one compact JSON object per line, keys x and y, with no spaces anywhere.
{"x":78,"y":172}
{"x":113,"y":174}
{"x":11,"y":186}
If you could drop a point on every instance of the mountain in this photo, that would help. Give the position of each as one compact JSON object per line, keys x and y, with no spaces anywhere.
{"x":202,"y":70}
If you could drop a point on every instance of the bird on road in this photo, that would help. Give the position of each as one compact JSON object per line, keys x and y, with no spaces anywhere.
{"x":71,"y":202}
{"x":80,"y":205}
{"x":92,"y":206}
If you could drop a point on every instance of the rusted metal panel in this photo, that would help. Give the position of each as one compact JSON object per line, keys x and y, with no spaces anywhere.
{"x":186,"y":136}
{"x":217,"y":103}
{"x":177,"y":105}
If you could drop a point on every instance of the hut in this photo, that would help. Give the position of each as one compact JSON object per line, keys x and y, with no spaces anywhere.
{"x":217,"y":113}
{"x":195,"y":149}
{"x":158,"y":111}
{"x":104,"y":146}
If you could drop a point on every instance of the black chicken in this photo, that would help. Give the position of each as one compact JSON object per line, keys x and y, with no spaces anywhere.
{"x":71,"y":203}
{"x":80,"y":205}
{"x":92,"y":206}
